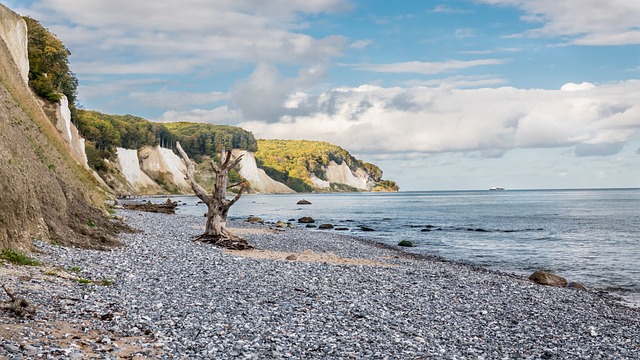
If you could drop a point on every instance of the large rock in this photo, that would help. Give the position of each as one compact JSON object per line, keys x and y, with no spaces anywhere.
{"x":547,"y":278}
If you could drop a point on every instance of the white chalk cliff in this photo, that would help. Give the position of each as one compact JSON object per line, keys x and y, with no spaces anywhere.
{"x":164,"y":164}
{"x":129,"y":165}
{"x":70,"y":133}
{"x":341,"y":174}
{"x":260,"y":182}
{"x":13,"y":30}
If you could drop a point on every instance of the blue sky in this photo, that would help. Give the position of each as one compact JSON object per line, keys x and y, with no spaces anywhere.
{"x":440,"y":94}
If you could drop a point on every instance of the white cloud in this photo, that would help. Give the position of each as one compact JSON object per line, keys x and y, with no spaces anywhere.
{"x":162,"y":36}
{"x":598,"y":119}
{"x":176,"y":99}
{"x":586,"y":22}
{"x":422,"y":67}
{"x":220,"y":115}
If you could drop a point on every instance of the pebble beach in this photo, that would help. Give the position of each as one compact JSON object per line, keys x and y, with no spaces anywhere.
{"x":164,"y":296}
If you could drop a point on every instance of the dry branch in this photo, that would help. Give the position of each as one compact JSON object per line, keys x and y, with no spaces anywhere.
{"x":17,"y":304}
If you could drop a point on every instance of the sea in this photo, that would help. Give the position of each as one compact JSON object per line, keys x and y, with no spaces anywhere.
{"x":591,"y":236}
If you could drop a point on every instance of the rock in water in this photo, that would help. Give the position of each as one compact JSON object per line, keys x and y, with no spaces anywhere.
{"x":304,"y":202}
{"x":405,"y":243}
{"x":306,"y":220}
{"x":547,"y":278}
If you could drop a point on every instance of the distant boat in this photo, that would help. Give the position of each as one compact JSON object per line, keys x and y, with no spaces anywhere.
{"x":497,"y":188}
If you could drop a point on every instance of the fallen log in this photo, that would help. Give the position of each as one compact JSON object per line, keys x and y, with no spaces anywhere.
{"x":168,"y":207}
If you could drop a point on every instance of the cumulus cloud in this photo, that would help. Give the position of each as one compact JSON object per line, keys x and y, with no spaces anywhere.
{"x":596,"y":119}
{"x":173,"y":37}
{"x":585,"y":22}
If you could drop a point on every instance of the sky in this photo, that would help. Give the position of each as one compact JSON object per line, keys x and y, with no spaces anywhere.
{"x":442,"y":95}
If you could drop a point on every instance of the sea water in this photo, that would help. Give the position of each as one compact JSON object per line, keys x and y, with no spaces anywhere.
{"x":588,"y":236}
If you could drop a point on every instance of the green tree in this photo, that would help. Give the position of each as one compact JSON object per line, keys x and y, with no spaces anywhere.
{"x":49,"y":73}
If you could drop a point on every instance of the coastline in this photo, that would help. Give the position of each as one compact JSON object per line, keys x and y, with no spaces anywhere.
{"x":172,"y":298}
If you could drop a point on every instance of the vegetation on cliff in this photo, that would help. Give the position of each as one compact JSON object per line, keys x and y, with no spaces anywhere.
{"x":104,"y":133}
{"x":293,"y":162}
{"x":49,"y":73}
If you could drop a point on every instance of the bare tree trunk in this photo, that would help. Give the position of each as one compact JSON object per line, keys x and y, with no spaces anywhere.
{"x":217,"y":203}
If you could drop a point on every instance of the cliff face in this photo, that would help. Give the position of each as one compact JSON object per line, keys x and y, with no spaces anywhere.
{"x":164,"y":166}
{"x":45,"y":193}
{"x":260,"y":182}
{"x":13,"y":31}
{"x":70,"y":133}
{"x":342,"y":174}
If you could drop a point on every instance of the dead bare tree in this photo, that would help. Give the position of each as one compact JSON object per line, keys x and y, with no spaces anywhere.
{"x":217,"y":203}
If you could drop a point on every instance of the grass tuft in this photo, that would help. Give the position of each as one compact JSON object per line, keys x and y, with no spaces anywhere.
{"x":18,"y":258}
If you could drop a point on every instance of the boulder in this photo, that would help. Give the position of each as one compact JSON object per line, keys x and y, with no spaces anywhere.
{"x":547,"y":278}
{"x":364,"y":228}
{"x":281,"y":224}
{"x":406,"y":243}
{"x":304,"y":202}
{"x":342,"y":228}
{"x":311,"y":226}
{"x":306,"y":220}
{"x":325,"y":226}
{"x":255,"y":219}
{"x":292,"y":257}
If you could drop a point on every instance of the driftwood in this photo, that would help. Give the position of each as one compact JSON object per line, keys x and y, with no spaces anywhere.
{"x":168,"y":207}
{"x":217,"y":203}
{"x":17,"y":304}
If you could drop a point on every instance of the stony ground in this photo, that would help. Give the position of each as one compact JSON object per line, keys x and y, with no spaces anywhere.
{"x":164,"y":296}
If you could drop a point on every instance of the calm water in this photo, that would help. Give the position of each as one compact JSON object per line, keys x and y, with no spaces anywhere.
{"x":589,"y":236}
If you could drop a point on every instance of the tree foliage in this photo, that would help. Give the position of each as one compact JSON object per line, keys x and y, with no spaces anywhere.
{"x":49,"y":73}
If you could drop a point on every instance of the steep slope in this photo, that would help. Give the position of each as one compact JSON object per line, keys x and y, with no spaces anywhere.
{"x":45,"y":193}
{"x":260,"y":182}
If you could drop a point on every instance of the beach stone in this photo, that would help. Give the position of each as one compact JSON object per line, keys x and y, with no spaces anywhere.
{"x":281,"y":224}
{"x":306,"y":220}
{"x":325,"y":226}
{"x":255,"y":219}
{"x":547,"y":278}
{"x":304,"y":202}
{"x":342,"y":228}
{"x":406,"y":243}
{"x":364,"y":228}
{"x":292,"y":257}
{"x":11,"y":348}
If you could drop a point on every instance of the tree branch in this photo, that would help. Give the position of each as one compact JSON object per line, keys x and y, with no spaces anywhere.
{"x":237,"y":197}
{"x":236,"y":184}
{"x":190,"y":176}
{"x":225,"y":164}
{"x":18,"y":304}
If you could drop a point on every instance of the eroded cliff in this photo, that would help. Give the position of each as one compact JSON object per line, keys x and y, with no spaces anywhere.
{"x":45,"y":193}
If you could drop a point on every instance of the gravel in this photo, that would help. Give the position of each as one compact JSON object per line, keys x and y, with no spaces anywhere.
{"x":176,"y":299}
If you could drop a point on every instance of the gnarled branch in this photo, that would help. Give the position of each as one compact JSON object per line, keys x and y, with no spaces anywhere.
{"x":190,"y":176}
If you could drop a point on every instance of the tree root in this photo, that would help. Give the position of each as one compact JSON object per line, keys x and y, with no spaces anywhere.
{"x":231,"y":243}
{"x":17,"y":304}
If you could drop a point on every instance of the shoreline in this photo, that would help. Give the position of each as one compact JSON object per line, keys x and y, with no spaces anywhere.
{"x":173,"y":298}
